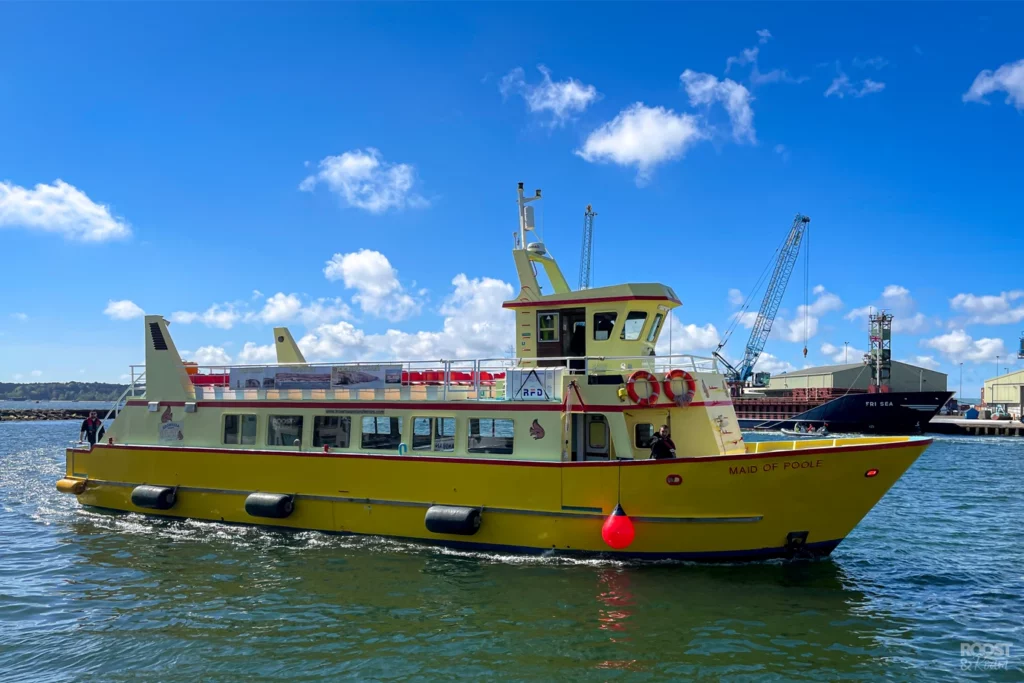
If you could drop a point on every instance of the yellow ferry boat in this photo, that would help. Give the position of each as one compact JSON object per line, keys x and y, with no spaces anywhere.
{"x":547,"y":452}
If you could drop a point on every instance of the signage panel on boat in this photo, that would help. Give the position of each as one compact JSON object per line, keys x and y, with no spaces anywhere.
{"x":336,"y":377}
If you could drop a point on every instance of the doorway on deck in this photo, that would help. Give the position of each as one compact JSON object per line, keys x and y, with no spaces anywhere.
{"x":562,"y":334}
{"x":590,"y":437}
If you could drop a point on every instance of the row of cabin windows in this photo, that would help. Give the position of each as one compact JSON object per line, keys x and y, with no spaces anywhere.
{"x":486,"y":435}
{"x":604,"y":323}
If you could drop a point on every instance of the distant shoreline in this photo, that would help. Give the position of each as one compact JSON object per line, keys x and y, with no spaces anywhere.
{"x":51,"y":414}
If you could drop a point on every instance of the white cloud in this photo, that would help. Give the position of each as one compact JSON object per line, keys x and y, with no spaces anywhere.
{"x":923,"y":361}
{"x":959,"y":346}
{"x":324,"y":310}
{"x":750,"y":56}
{"x":897,"y":299}
{"x":475,"y":326}
{"x":20,"y":316}
{"x":17,"y":376}
{"x":843,"y":354}
{"x":223,"y":316}
{"x":990,"y":309}
{"x":842,"y":86}
{"x":747,"y":56}
{"x":209,"y":355}
{"x":643,"y":137}
{"x":766,"y":362}
{"x":782,"y":152}
{"x":699,"y":339}
{"x":37,"y":373}
{"x":363,"y":180}
{"x":257,"y":294}
{"x":561,"y":98}
{"x":874,"y":62}
{"x":1008,"y":78}
{"x":60,"y":208}
{"x":378,"y":291}
{"x":278,"y":308}
{"x":705,"y":89}
{"x":818,"y":289}
{"x":915,"y":323}
{"x":123,"y":310}
{"x":736,"y":297}
{"x":763,"y":35}
{"x":254,"y":354}
{"x":804,"y":324}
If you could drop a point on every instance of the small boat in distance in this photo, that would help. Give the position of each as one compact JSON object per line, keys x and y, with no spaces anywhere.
{"x":547,"y":452}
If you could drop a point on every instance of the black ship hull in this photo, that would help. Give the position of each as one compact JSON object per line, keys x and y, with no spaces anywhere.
{"x":906,"y":412}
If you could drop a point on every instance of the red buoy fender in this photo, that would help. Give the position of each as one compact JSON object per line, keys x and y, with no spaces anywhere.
{"x":689,"y":387}
{"x":618,"y":531}
{"x":652,"y":382}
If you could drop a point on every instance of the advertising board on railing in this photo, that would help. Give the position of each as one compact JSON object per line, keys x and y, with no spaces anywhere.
{"x":535,"y":384}
{"x":336,"y":377}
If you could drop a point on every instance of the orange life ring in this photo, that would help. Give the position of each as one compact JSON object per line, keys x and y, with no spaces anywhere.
{"x":691,"y":387}
{"x":652,"y":382}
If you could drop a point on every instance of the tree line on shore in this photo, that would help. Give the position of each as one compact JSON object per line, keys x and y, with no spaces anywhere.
{"x":61,"y":391}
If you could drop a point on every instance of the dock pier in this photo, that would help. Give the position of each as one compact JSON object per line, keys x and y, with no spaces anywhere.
{"x":959,"y":425}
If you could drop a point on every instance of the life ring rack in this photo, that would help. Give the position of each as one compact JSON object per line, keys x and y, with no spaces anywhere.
{"x":688,"y":382}
{"x":652,"y":382}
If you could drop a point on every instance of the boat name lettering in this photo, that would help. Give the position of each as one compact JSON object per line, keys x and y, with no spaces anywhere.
{"x":355,"y":411}
{"x":774,"y":466}
{"x":876,"y":404}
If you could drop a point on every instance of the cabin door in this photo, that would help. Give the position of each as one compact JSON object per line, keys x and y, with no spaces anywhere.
{"x":561,"y":334}
{"x":590,"y":437}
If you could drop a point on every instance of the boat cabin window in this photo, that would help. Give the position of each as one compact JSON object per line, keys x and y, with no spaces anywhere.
{"x":330,"y":430}
{"x":240,"y":429}
{"x":382,"y":433}
{"x":488,"y":435}
{"x":655,"y":327}
{"x":633,"y":326}
{"x":547,"y":326}
{"x":643,"y":435}
{"x":284,"y":430}
{"x":604,"y":323}
{"x":433,"y":434}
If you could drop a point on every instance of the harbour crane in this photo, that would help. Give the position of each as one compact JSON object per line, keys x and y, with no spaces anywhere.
{"x":588,"y":247}
{"x":787,"y":255}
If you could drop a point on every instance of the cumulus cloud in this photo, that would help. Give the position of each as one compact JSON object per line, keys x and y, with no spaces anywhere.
{"x":208,"y":355}
{"x":363,"y":180}
{"x":736,"y":297}
{"x":255,"y":354}
{"x":774,"y":365}
{"x":898,"y":300}
{"x":842,"y":354}
{"x":642,"y":137}
{"x":474,"y":326}
{"x":223,"y":316}
{"x":61,"y":208}
{"x":123,"y":310}
{"x":804,"y":324}
{"x":705,"y":89}
{"x":842,"y":86}
{"x":561,"y":99}
{"x":378,"y":290}
{"x":990,"y":309}
{"x":959,"y":346}
{"x":687,"y":338}
{"x":1008,"y":78}
{"x":763,"y":35}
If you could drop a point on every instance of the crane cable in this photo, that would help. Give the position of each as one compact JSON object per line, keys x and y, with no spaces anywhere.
{"x":807,"y":282}
{"x":750,"y":297}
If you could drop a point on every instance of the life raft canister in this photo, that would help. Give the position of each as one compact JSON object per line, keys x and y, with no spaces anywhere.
{"x":652,"y":382}
{"x":689,"y":387}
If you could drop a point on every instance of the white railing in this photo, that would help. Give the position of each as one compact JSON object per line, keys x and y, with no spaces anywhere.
{"x":445,"y":380}
{"x":137,"y":387}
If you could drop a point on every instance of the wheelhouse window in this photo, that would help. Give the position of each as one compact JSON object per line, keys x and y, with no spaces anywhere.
{"x":284,"y":430}
{"x":240,"y":429}
{"x":331,"y":430}
{"x":433,"y":434}
{"x":643,"y":435}
{"x":488,"y":435}
{"x":547,"y":327}
{"x":633,"y":325}
{"x":655,"y":327}
{"x":382,"y":433}
{"x":604,"y":323}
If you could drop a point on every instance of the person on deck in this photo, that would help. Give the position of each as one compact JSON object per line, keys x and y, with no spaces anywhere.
{"x":92,"y":429}
{"x":662,"y":446}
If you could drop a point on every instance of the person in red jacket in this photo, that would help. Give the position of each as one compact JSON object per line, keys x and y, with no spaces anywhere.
{"x":662,"y":446}
{"x":92,"y":429}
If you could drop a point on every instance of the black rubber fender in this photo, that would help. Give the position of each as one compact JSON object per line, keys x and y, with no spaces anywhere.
{"x":154,"y":497}
{"x":448,"y":519}
{"x":273,"y":505}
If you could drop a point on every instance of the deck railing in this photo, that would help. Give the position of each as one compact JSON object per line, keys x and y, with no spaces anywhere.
{"x":498,"y":379}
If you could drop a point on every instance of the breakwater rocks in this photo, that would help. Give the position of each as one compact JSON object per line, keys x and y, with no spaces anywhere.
{"x":38,"y":414}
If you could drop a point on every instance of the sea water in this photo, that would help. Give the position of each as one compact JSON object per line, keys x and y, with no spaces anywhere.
{"x":928,"y":587}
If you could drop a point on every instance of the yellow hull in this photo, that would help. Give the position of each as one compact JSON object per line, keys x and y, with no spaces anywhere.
{"x":713,"y":508}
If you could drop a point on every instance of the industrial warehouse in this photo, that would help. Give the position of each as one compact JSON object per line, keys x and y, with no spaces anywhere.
{"x":829,"y":380}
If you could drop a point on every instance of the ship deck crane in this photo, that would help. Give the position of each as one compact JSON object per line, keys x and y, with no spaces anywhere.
{"x":586,"y":255}
{"x":784,"y":264}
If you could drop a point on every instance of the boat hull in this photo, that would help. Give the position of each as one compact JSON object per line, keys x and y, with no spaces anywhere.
{"x":906,"y":412}
{"x":715,"y":508}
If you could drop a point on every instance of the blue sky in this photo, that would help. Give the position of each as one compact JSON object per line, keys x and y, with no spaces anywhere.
{"x":350,"y":170}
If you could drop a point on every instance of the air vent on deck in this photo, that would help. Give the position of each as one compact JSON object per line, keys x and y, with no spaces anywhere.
{"x":159,"y":343}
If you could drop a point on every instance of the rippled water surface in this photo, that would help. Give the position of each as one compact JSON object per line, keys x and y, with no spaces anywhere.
{"x":104,"y":597}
